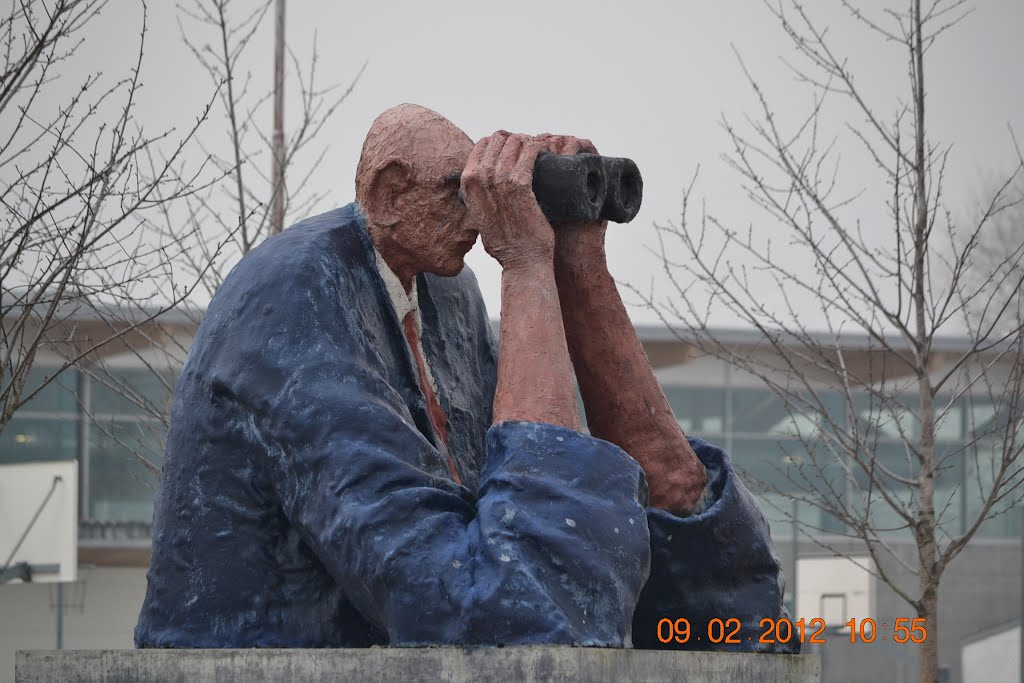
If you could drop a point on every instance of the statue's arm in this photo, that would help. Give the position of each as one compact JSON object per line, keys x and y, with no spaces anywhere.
{"x":624,"y":401}
{"x":534,"y":368}
{"x":711,"y":550}
{"x":719,"y":563}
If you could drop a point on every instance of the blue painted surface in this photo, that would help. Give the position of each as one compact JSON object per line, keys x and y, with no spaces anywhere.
{"x":304,"y":501}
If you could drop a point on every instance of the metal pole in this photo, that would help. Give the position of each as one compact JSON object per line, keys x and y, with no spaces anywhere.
{"x":965,"y":433}
{"x":84,"y":451}
{"x":795,"y":553}
{"x":277,"y":174}
{"x":60,"y":616}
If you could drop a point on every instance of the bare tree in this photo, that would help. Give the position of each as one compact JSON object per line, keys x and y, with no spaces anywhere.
{"x":1004,"y":235}
{"x":80,"y":179}
{"x":881,"y":304}
{"x":239,"y":210}
{"x":220,"y":37}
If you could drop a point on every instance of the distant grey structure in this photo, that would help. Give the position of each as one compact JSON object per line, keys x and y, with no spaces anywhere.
{"x":540,"y":664}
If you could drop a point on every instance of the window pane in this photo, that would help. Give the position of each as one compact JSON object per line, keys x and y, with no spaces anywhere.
{"x":28,"y":440}
{"x":762,"y":411}
{"x":773,"y":468}
{"x":996,"y":422}
{"x":59,"y":394}
{"x":889,"y":471}
{"x":882,"y":472}
{"x":949,"y":475}
{"x":699,"y":410}
{"x":981,"y":418}
{"x":779,"y":509}
{"x":948,"y":423}
{"x":982,"y":465}
{"x":131,"y":392}
{"x":121,"y":485}
{"x":893,"y":419}
{"x":757,"y":411}
{"x":888,"y":462}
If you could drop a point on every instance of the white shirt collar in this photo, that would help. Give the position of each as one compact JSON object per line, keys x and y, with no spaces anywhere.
{"x":403,"y":302}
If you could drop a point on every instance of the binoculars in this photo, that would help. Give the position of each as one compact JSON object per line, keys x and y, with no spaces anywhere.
{"x":579,"y":188}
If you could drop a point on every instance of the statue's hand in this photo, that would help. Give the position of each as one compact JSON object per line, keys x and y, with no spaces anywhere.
{"x":578,"y":246}
{"x":497,"y":184}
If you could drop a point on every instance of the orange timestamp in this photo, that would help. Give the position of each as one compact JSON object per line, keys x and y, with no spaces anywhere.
{"x":905,"y":630}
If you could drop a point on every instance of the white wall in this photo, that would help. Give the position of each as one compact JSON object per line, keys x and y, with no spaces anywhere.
{"x":28,"y":620}
{"x":995,"y":659}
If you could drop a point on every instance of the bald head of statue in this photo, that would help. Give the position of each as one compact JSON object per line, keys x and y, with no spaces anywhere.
{"x":407,"y":185}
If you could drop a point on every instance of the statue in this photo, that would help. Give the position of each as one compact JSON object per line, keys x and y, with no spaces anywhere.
{"x":354,"y":461}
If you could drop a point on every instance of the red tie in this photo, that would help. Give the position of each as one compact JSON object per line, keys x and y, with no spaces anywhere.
{"x":434,"y":409}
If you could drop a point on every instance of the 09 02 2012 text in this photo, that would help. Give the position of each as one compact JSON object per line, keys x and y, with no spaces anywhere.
{"x":783,"y":630}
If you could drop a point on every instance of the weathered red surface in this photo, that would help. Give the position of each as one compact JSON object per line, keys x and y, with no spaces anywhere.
{"x":557,"y":294}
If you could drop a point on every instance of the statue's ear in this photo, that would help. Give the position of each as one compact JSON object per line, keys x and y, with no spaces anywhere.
{"x":388,"y":183}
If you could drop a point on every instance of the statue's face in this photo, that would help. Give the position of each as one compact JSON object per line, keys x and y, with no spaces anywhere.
{"x":408,"y":184}
{"x":436,"y":232}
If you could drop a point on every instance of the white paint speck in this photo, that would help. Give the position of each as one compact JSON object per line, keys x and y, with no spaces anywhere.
{"x":570,"y":522}
{"x":632,"y":521}
{"x":510,"y":513}
{"x":505,"y":558}
{"x":616,"y":529}
{"x":559,"y":438}
{"x":670,"y":537}
{"x":456,"y":564}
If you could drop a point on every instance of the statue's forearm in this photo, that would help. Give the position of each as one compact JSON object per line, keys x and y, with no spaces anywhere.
{"x":534,"y":369}
{"x":624,"y":402}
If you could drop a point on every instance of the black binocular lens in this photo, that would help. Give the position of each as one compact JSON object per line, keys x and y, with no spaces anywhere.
{"x":577,"y":188}
{"x":625,"y":190}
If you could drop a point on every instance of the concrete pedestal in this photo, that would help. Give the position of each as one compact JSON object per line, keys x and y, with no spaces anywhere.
{"x":556,"y":664}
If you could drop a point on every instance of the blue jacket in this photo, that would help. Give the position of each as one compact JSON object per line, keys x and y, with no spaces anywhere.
{"x":304,"y":502}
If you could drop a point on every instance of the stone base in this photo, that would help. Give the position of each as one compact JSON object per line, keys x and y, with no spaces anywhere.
{"x":555,"y":664}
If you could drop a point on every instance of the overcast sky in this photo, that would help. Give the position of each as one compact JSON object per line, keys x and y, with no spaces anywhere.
{"x":648,"y":80}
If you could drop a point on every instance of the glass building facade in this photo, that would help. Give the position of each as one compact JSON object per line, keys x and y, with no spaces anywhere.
{"x":114,"y":424}
{"x":110,"y":423}
{"x":780,"y":451}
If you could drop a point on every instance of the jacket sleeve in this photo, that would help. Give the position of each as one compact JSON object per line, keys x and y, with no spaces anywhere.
{"x":552,"y":549}
{"x":718,"y":564}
